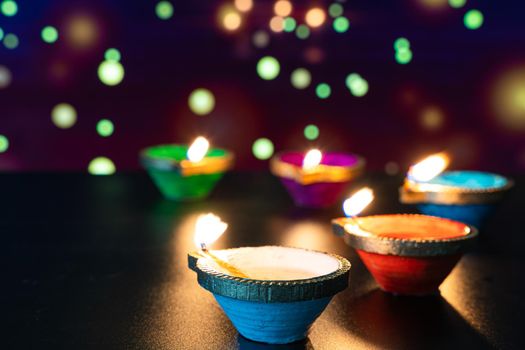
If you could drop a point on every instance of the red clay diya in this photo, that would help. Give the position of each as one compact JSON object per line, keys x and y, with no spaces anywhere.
{"x":319,"y":186}
{"x":407,"y":254}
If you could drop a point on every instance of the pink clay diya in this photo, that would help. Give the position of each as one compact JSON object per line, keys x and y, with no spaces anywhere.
{"x":320,"y":186}
{"x":407,"y":254}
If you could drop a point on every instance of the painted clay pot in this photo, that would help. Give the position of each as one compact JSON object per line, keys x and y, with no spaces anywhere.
{"x":466,"y":196}
{"x":322,"y":186}
{"x":179,"y":179}
{"x":282,"y":290}
{"x":407,"y":254}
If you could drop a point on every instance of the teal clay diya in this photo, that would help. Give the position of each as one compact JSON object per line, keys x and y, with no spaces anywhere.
{"x":184,"y":173}
{"x":466,"y":196}
{"x":271,"y":294}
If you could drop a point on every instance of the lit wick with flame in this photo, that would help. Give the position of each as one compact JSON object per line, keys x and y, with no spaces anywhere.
{"x":208,"y":229}
{"x":312,"y":159}
{"x":356,"y":203}
{"x":198,"y":150}
{"x":428,"y":168}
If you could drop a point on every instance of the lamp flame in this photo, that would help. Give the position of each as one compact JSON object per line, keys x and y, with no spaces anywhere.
{"x":312,"y":159}
{"x":428,"y":168}
{"x":358,"y":201}
{"x":198,"y":149}
{"x":208,"y":229}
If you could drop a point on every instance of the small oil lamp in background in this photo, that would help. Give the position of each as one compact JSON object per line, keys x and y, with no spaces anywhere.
{"x":186,"y":173}
{"x":271,"y":294}
{"x":406,"y":254}
{"x":466,"y":196}
{"x":315,"y":179}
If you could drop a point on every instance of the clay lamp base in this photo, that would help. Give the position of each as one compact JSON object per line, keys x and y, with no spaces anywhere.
{"x":179,"y":179}
{"x":466,"y":196}
{"x":281,"y":294}
{"x":322,"y":186}
{"x":407,"y":254}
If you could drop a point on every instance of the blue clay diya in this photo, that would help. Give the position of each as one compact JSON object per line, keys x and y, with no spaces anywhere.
{"x":271,"y":294}
{"x":466,"y":196}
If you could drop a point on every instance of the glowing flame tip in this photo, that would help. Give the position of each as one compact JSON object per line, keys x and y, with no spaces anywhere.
{"x":198,"y":149}
{"x":312,"y":159}
{"x":358,"y":201}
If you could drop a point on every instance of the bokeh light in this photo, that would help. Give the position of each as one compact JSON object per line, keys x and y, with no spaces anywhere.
{"x":401,"y":44}
{"x":101,"y":166}
{"x":311,"y":132}
{"x":81,"y":31}
{"x":111,"y":73}
{"x":112,"y":54}
{"x":289,"y":24}
{"x":392,"y":168}
{"x":105,"y":127}
{"x":282,"y":8}
{"x":260,"y":39}
{"x":243,"y":5}
{"x":357,"y":85}
{"x":315,"y":17}
{"x":201,"y":101}
{"x":323,"y":90}
{"x":164,"y":10}
{"x":432,"y":118}
{"x":457,"y":3}
{"x":403,"y":56}
{"x":335,"y":10}
{"x":473,"y":19}
{"x":232,"y":21}
{"x":9,"y":8}
{"x":268,"y":68}
{"x":11,"y":41}
{"x":262,"y":148}
{"x":277,"y":24}
{"x":301,"y":78}
{"x":1,"y":33}
{"x":5,"y":77}
{"x":302,"y":31}
{"x":64,"y":115}
{"x":4,"y":143}
{"x":49,"y":34}
{"x":508,"y":99}
{"x":341,"y":24}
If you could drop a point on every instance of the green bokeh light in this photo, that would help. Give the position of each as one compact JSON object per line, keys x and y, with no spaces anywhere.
{"x":164,"y":10}
{"x":64,"y":115}
{"x":9,"y":8}
{"x":1,"y":33}
{"x":112,"y":54}
{"x":335,"y":10}
{"x":357,"y":85}
{"x":311,"y":132}
{"x":401,"y":44}
{"x":262,"y":148}
{"x":11,"y":41}
{"x":105,"y":127}
{"x":101,"y":166}
{"x":403,"y":56}
{"x":289,"y":24}
{"x":302,"y":31}
{"x":111,"y":72}
{"x":49,"y":34}
{"x":457,"y":3}
{"x":268,"y":68}
{"x":473,"y":19}
{"x":323,"y":90}
{"x":4,"y":143}
{"x":341,"y":24}
{"x":201,"y":101}
{"x":301,"y":78}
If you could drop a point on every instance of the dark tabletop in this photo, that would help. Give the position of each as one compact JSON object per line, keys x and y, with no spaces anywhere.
{"x":100,"y":262}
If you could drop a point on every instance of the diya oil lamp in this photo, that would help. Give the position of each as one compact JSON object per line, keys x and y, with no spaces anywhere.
{"x":186,"y":173}
{"x":315,"y":179}
{"x":407,"y":254}
{"x":466,"y":196}
{"x":271,"y":294}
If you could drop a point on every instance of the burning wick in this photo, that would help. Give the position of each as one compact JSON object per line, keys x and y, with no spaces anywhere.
{"x":208,"y":229}
{"x":428,"y":168}
{"x":355,"y":204}
{"x":198,"y":149}
{"x":312,"y":159}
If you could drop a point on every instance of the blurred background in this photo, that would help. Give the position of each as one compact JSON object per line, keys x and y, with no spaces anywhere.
{"x":85,"y":85}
